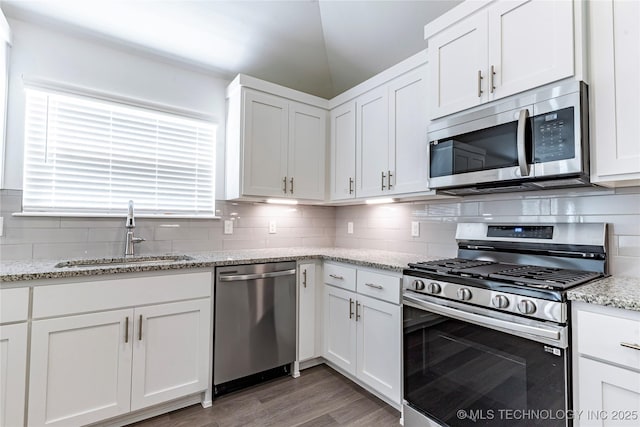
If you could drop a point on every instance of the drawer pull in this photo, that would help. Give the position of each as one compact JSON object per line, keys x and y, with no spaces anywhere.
{"x":336,"y":277}
{"x":629,"y":345}
{"x":372,"y":285}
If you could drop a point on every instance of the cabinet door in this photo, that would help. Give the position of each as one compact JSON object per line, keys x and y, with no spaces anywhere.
{"x":170,"y":351}
{"x":80,"y":368}
{"x":340,"y":328}
{"x":379,"y":345}
{"x":372,"y":143}
{"x":615,"y":90}
{"x":457,"y":60}
{"x":343,"y":152}
{"x":307,"y":312}
{"x":265,"y":144}
{"x":13,"y":373}
{"x":607,"y":390}
{"x":530,"y":44}
{"x":307,"y":146}
{"x":408,"y":154}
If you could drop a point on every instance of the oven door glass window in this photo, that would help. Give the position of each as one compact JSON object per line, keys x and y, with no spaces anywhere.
{"x":461,"y":374}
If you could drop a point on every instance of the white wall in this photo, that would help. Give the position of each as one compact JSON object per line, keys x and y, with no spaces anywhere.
{"x":43,"y":53}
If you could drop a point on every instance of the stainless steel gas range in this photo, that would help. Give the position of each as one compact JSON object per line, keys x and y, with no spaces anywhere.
{"x":486,"y":335}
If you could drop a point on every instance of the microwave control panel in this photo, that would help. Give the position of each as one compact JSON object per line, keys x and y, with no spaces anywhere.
{"x":554,"y":136}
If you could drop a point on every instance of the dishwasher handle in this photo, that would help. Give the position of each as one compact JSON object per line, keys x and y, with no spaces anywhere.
{"x":239,"y":277}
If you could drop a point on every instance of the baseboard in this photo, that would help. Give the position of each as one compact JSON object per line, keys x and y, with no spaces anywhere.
{"x":154,"y":411}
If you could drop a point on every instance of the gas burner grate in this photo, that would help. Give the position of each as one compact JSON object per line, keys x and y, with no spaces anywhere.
{"x":545,"y":277}
{"x":448,"y":265}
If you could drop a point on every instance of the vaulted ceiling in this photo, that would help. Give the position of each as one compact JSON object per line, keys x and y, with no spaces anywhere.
{"x":320,"y":47}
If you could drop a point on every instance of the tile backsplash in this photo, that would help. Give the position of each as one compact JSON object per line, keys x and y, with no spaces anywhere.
{"x":63,"y":237}
{"x":374,"y":227}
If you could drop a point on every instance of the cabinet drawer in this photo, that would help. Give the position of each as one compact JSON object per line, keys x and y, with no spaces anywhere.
{"x":14,"y":305}
{"x":603,"y":336}
{"x":84,"y":297}
{"x":340,"y":275}
{"x":381,"y":286}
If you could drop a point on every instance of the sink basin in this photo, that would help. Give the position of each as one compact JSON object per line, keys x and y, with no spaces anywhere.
{"x":106,"y":262}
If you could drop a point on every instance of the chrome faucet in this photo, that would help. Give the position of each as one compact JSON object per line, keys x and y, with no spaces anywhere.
{"x":130,"y":225}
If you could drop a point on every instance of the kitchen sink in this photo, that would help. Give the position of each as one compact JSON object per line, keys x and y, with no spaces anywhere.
{"x":105,"y":262}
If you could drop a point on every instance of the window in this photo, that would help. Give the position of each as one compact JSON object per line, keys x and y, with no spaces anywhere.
{"x":89,"y":156}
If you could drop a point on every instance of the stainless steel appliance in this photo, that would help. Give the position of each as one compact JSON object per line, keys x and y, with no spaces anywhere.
{"x":486,"y":334}
{"x":255,"y":324}
{"x":535,"y":140}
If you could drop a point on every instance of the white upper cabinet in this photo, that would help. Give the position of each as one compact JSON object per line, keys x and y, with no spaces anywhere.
{"x":499,"y":50}
{"x":378,"y":137}
{"x":307,"y":145}
{"x":266,"y":138}
{"x":343,"y":152}
{"x":530,"y":44}
{"x":614,"y":92}
{"x":275,"y":145}
{"x":458,"y":66}
{"x":372,"y":143}
{"x":408,"y":147}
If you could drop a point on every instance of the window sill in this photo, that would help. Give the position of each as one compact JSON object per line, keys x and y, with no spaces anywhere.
{"x":112,"y":215}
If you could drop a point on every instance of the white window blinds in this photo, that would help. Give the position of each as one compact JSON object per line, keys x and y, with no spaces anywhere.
{"x":86,"y":155}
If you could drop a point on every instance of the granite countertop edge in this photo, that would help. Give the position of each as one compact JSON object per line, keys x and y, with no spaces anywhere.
{"x":612,"y":291}
{"x":15,"y":273}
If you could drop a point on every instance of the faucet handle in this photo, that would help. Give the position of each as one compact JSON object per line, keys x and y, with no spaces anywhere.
{"x":138,"y":239}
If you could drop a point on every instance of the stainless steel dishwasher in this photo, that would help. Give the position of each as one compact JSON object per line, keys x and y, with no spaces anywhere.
{"x":255,"y":324}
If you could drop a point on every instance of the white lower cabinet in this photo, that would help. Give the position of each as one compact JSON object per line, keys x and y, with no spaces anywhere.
{"x":307,"y":313}
{"x":170,"y":352}
{"x":80,"y":368}
{"x":88,"y":367}
{"x":14,"y":311}
{"x":606,"y":366}
{"x":362,"y":334}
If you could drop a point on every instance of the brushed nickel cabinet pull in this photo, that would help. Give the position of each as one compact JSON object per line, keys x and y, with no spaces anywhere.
{"x":630,"y":345}
{"x":382,"y":181}
{"x":304,"y":278}
{"x":372,"y":285}
{"x":336,"y":277}
{"x":291,"y":182}
{"x":479,"y":84}
{"x":350,"y":185}
{"x":350,"y":308}
{"x":389,"y":179}
{"x":284,"y":185}
{"x":140,"y":329}
{"x":492,"y":85}
{"x":357,"y":311}
{"x":126,"y":329}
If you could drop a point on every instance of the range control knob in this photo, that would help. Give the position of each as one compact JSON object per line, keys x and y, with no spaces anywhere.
{"x":418,"y":285}
{"x":500,"y":301}
{"x":526,"y":307}
{"x":464,"y":294}
{"x":434,"y":288}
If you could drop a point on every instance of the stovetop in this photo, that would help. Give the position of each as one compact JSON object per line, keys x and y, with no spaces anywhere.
{"x":532,"y":276}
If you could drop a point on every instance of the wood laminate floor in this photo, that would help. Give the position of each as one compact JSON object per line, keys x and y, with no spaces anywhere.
{"x":319,"y":397}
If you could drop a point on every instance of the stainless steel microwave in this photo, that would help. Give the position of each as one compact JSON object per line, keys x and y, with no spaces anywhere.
{"x":535,"y":140}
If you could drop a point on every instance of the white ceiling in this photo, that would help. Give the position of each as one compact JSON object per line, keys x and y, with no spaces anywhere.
{"x":320,"y":47}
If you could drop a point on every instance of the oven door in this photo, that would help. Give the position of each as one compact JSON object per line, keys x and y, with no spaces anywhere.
{"x":462,"y":368}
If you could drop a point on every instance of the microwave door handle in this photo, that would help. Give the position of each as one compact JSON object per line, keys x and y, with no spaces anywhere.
{"x":521,"y":142}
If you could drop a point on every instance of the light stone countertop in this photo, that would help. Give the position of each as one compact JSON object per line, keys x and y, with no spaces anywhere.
{"x":619,"y":292}
{"x":25,"y":271}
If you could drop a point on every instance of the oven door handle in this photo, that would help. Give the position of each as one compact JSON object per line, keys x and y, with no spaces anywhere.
{"x":477,"y":319}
